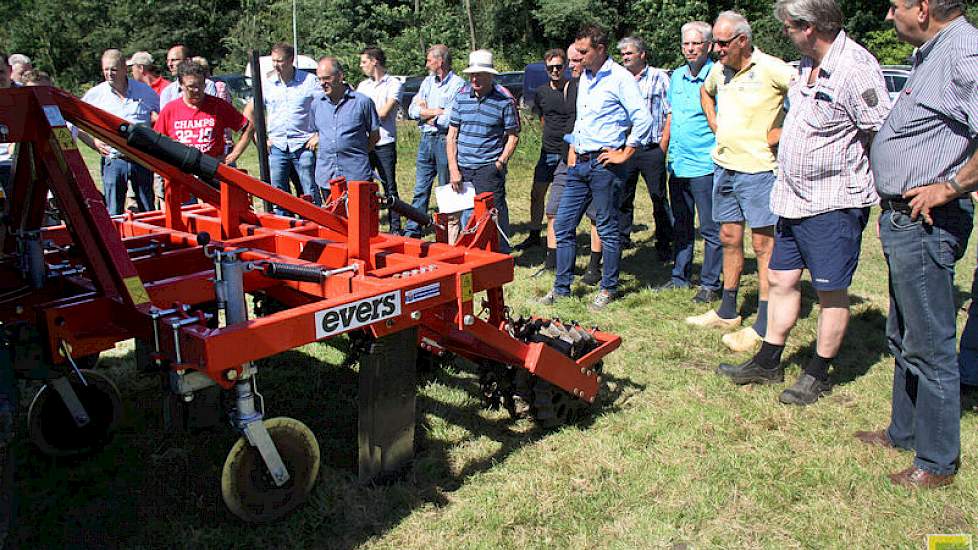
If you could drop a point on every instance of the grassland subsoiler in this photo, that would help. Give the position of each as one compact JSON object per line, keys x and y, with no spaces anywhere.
{"x":177,"y":282}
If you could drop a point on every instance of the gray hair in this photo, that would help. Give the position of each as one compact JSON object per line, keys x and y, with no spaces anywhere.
{"x":824,"y":15}
{"x":18,"y":59}
{"x":442,"y":52}
{"x":740,"y":24}
{"x":335,"y":64}
{"x":702,"y":27}
{"x":634,"y":41}
{"x":942,"y":10}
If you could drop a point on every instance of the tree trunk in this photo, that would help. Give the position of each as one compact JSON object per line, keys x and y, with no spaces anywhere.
{"x":468,"y":11}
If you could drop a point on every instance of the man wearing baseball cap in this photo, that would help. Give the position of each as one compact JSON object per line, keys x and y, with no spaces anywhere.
{"x":145,"y":70}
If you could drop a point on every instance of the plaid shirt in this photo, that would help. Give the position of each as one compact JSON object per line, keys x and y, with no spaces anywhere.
{"x":823,"y":158}
{"x":654,"y":85}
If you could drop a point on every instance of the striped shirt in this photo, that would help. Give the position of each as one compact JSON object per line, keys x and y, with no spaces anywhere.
{"x":823,"y":157}
{"x":483,"y":123}
{"x":931,"y":130}
{"x":654,"y":85}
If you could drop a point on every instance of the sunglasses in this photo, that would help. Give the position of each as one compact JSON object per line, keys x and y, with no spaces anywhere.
{"x":552,"y":68}
{"x":725,"y":43}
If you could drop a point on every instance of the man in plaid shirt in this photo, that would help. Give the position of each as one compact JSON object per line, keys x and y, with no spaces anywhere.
{"x":823,"y":191}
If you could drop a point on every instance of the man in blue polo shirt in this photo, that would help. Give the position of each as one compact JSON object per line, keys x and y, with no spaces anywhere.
{"x":691,"y":165}
{"x":613,"y":121}
{"x":137,"y":103}
{"x":348,"y":127}
{"x":482,"y":136}
{"x":288,"y":94}
{"x":431,"y":107}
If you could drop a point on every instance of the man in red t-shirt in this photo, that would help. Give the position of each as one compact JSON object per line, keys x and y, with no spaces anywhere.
{"x":199,"y":120}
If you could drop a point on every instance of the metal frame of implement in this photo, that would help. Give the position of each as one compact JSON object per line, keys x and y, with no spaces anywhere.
{"x":98,"y":280}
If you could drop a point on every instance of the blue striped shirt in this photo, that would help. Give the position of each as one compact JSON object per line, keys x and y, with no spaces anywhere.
{"x":611,"y":112}
{"x":438,"y":94}
{"x":654,"y":85}
{"x":483,"y":123}
{"x":930,"y":132}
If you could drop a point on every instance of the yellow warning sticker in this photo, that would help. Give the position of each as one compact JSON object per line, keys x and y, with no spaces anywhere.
{"x":949,"y":542}
{"x":466,"y":282}
{"x":63,"y":135}
{"x":136,"y":290}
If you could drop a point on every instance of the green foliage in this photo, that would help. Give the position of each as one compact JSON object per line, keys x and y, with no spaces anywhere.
{"x":889,"y":49}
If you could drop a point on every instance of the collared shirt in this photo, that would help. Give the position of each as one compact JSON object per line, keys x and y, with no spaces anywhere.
{"x":483,"y":123}
{"x":288,"y":109}
{"x":381,"y":91}
{"x":439,"y":94}
{"x":654,"y":85}
{"x":159,"y":84}
{"x":611,"y":112}
{"x":173,"y":91}
{"x":344,"y":129}
{"x":823,"y":159}
{"x":137,"y":106}
{"x":691,"y":140}
{"x":749,"y":104}
{"x":931,"y":130}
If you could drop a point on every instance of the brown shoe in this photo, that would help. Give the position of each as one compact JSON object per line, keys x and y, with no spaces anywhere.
{"x":877,"y":438}
{"x":915,"y":478}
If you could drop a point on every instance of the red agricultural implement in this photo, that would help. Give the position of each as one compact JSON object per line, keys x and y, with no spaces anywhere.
{"x":177,"y":281}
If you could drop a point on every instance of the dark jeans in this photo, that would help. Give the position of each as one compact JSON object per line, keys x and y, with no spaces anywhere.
{"x":432,"y":161}
{"x":650,"y":162}
{"x":689,"y":195}
{"x":302,"y":162}
{"x":920,"y":331}
{"x":589,"y":181}
{"x":384,"y":160}
{"x":968,"y":351}
{"x":117,"y":174}
{"x":486,"y":179}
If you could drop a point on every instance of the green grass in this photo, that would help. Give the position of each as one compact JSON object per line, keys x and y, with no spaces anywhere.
{"x":674,"y":457}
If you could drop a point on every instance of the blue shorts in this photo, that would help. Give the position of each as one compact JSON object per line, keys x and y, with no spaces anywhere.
{"x":546,"y":165}
{"x":827,"y":245}
{"x":557,"y":190}
{"x":740,"y":196}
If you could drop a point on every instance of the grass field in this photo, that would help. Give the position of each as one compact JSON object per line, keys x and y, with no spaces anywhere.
{"x":674,"y":456}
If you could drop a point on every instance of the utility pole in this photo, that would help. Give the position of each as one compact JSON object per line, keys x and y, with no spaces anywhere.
{"x":468,"y":10}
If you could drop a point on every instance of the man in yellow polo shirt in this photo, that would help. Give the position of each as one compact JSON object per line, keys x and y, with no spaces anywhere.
{"x":743,"y":98}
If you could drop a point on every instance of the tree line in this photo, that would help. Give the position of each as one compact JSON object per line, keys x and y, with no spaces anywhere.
{"x":66,"y":37}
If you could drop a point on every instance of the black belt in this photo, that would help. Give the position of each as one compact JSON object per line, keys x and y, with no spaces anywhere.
{"x":586,"y":157}
{"x":897,"y":205}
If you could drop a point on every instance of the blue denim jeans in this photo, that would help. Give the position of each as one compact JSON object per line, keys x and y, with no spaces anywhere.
{"x":301,"y":162}
{"x":486,"y":179}
{"x":689,"y":195}
{"x":920,"y":330}
{"x":383,"y":159}
{"x":586,"y":182}
{"x":117,"y":174}
{"x":650,"y":162}
{"x":432,"y":161}
{"x":968,"y":351}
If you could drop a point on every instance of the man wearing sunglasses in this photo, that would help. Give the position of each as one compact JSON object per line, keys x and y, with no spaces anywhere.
{"x":550,"y":103}
{"x":743,"y":98}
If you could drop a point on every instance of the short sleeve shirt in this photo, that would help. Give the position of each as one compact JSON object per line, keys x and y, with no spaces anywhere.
{"x":558,"y":111}
{"x":482,"y":123}
{"x":750,"y":103}
{"x":201,"y":127}
{"x":691,"y":140}
{"x":381,"y":91}
{"x":344,"y":129}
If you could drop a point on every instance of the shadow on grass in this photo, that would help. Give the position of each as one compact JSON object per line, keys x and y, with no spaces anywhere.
{"x":148,"y":488}
{"x":863,"y":347}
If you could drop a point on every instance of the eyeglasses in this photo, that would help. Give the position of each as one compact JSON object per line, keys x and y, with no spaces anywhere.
{"x":552,"y":68}
{"x":726,"y":43}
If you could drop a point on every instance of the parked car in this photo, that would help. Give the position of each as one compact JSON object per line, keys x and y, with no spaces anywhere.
{"x":896,"y":78}
{"x":512,"y":81}
{"x":239,"y":85}
{"x":409,"y":89}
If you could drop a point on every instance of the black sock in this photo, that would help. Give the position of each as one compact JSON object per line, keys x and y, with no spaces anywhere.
{"x":551,"y":261}
{"x":769,"y":356}
{"x":818,"y":367}
{"x":595,"y":263}
{"x":760,"y":324}
{"x":728,"y":303}
{"x":534,"y":235}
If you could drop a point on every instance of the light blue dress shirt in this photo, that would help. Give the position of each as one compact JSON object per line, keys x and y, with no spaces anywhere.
{"x":691,"y":141}
{"x":344,"y":129}
{"x":609,"y":104}
{"x":438,"y":93}
{"x":138,"y":106}
{"x":288,"y":109}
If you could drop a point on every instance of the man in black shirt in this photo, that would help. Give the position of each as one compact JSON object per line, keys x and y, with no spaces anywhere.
{"x":556,"y":114}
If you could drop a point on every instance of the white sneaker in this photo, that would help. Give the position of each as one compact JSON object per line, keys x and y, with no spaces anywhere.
{"x":710,"y":319}
{"x":745,"y":339}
